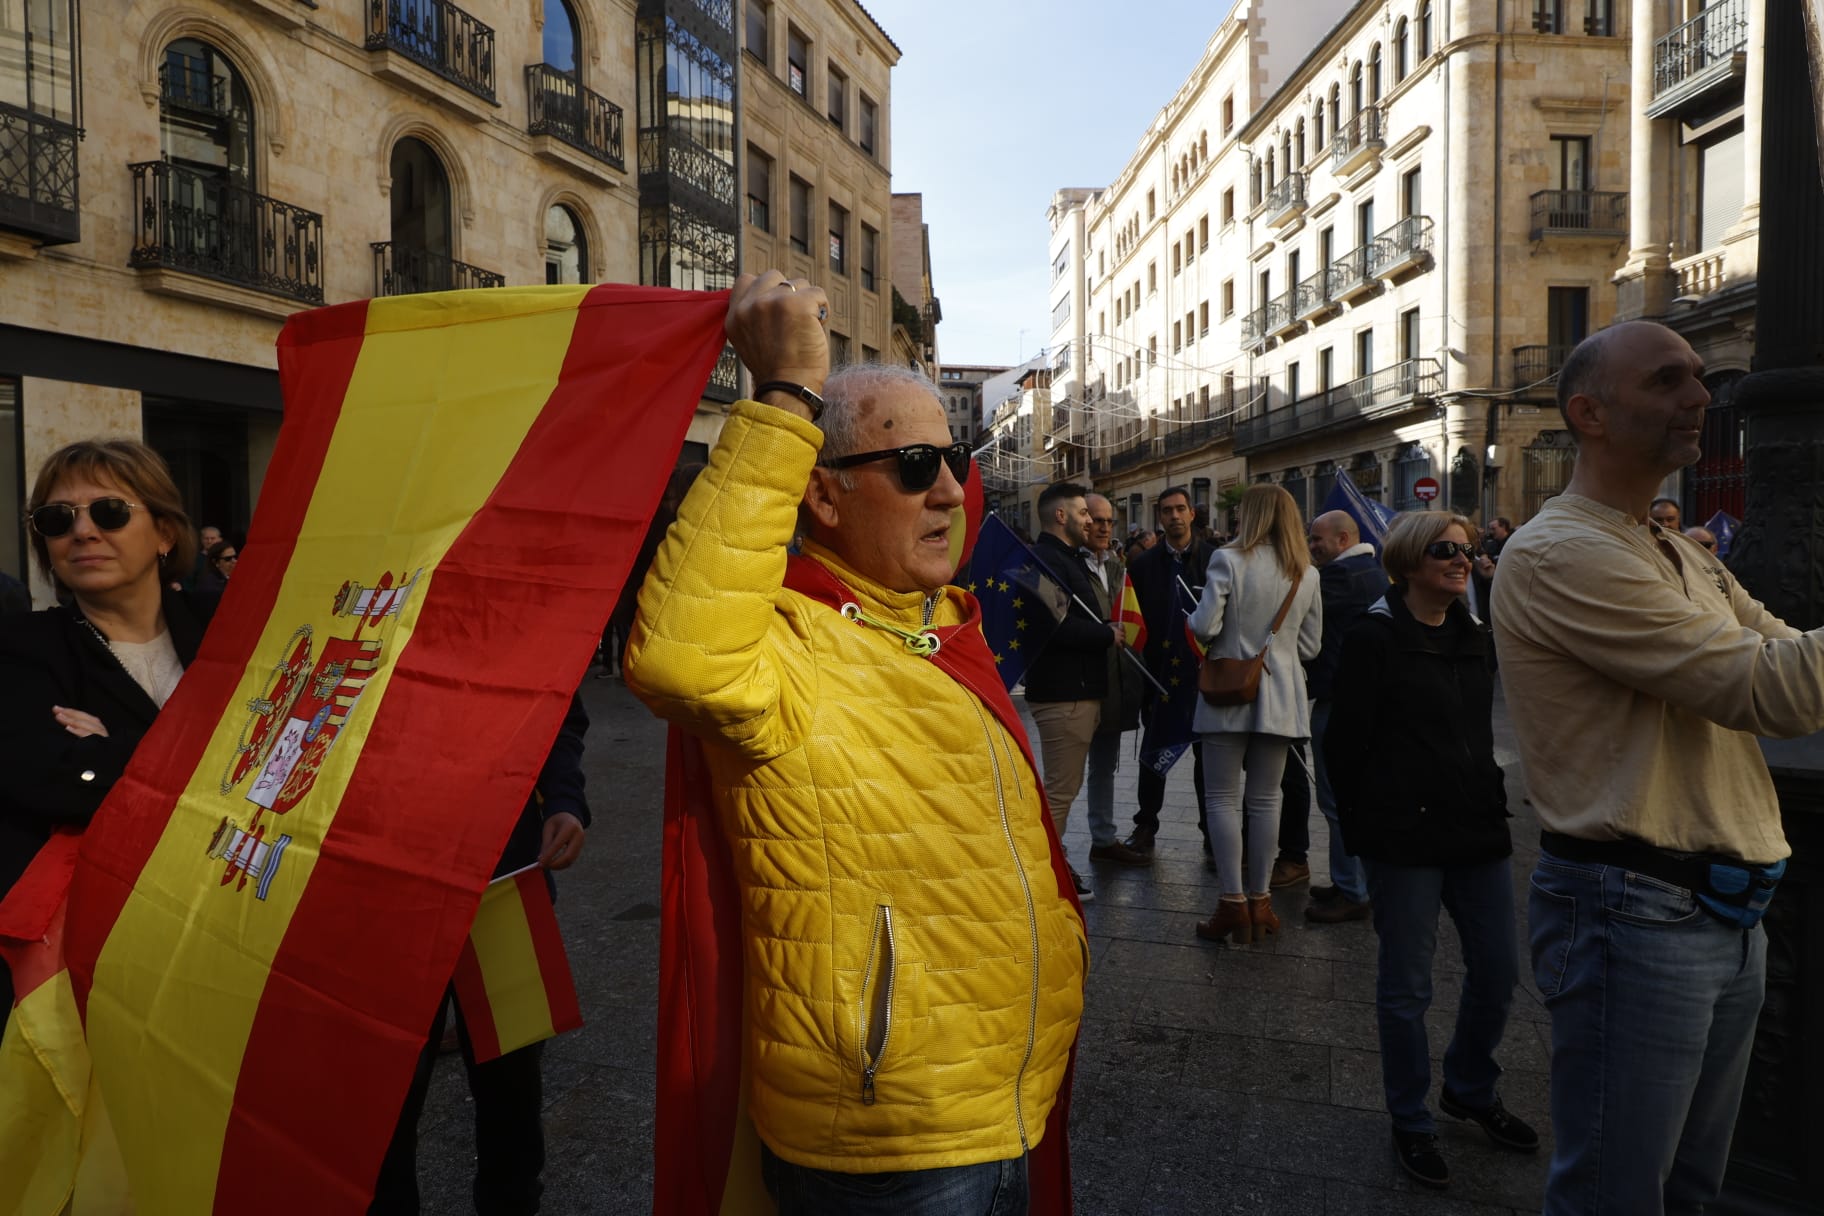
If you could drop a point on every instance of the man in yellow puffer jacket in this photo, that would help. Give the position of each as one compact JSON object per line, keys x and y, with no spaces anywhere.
{"x":914,"y":974}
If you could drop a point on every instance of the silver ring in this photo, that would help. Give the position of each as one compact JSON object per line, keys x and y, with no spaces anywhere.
{"x":791,"y":285}
{"x":823,"y":312}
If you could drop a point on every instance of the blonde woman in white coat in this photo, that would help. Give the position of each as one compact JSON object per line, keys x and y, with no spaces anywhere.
{"x":1247,"y":582}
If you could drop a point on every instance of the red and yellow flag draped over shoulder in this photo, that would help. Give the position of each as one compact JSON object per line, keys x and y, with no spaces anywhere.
{"x":269,"y":905}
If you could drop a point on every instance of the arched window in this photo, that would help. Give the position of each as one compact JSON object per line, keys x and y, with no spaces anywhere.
{"x":1336,"y":110}
{"x":1317,"y":125}
{"x":1355,"y":89}
{"x":1374,"y":74}
{"x":1254,"y":185}
{"x":1174,"y":179}
{"x":1271,"y":177}
{"x":1203,"y":145}
{"x":205,"y":119}
{"x":420,"y":198}
{"x":566,"y":249}
{"x":1298,"y":142}
{"x":1285,"y":153}
{"x":562,"y":40}
{"x":1399,"y":50}
{"x":1424,"y":39}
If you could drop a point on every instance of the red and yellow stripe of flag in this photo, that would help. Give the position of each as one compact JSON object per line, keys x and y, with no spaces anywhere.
{"x":271,"y":902}
{"x":513,"y":979}
{"x":1127,"y":614}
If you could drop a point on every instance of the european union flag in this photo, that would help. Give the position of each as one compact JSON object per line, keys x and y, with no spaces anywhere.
{"x":1167,"y":716}
{"x":1021,"y":604}
{"x":1371,"y":518}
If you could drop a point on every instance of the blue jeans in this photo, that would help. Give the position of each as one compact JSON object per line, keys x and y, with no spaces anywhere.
{"x":1654,"y":1003}
{"x":994,"y":1188}
{"x":1345,"y":871}
{"x":1480,"y":899}
{"x":1104,"y":760}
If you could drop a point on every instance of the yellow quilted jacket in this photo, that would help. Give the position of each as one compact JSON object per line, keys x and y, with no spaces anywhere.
{"x":914,"y":979}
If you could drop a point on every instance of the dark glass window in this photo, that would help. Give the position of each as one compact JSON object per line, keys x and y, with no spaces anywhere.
{"x":870,"y":256}
{"x":420,"y":198}
{"x":561,"y":37}
{"x":798,"y":64}
{"x":566,"y":248}
{"x":837,"y":86}
{"x":839,"y":239}
{"x":801,"y":215}
{"x":759,"y":189}
{"x":865,"y":136}
{"x":758,"y":13}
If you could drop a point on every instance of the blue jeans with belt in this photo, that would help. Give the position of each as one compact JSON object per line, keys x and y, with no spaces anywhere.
{"x":994,"y":1188}
{"x":1653,"y":1003}
{"x":1407,"y":899}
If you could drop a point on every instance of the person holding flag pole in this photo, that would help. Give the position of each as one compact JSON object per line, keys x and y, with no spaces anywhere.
{"x":1121,"y":707}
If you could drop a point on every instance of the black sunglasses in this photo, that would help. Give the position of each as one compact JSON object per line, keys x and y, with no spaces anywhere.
{"x":1444,"y":550}
{"x":918,"y":463}
{"x":57,"y":518}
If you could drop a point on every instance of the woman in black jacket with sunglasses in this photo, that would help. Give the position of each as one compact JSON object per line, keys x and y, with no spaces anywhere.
{"x":81,"y":682}
{"x":1421,"y":800}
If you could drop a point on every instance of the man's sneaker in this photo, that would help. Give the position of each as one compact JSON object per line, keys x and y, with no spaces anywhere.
{"x":1140,"y":842}
{"x":1337,"y":911}
{"x":1502,"y":1127}
{"x":1085,"y":895}
{"x":1119,"y":853}
{"x":1325,"y":893}
{"x":1419,"y":1156}
{"x":1288,"y":874}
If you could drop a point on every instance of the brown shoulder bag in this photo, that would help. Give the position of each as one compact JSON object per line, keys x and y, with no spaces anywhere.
{"x":1237,"y":681}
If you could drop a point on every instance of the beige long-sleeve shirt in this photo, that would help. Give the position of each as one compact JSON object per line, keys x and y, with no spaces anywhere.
{"x":1638,"y":673}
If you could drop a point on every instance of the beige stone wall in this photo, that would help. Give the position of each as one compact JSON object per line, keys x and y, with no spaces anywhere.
{"x":797,"y":133}
{"x":325,"y":123}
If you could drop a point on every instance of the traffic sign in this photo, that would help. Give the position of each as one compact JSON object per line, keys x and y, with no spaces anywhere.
{"x":1425,"y":489}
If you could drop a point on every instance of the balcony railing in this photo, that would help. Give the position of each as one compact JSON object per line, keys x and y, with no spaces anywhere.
{"x":402,"y":271}
{"x":1404,"y":245}
{"x":38,"y":193}
{"x":1254,"y":326}
{"x":1534,"y":364}
{"x":1286,"y":199}
{"x":1580,"y":212}
{"x":186,"y":85}
{"x":1403,"y":382}
{"x":1189,"y":436}
{"x":564,"y":109}
{"x":1140,"y":451}
{"x":1706,"y":44}
{"x":207,"y":226}
{"x":1282,"y":313}
{"x":1349,"y":274}
{"x":438,"y":35}
{"x":1316,"y":294}
{"x":1356,"y":141}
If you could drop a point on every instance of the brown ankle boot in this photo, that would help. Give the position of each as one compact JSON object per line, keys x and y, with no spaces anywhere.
{"x":1230,"y":921}
{"x":1260,"y":912}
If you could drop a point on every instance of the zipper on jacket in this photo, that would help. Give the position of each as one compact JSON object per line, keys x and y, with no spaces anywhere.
{"x":1032,"y":928}
{"x":877,"y":1022}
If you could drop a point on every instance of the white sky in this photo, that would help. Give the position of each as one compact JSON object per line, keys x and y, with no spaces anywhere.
{"x":999,"y":103}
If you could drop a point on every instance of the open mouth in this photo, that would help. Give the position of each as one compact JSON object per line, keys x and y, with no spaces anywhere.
{"x":938,"y":536}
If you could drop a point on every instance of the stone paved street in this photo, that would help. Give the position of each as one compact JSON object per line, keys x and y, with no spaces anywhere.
{"x":1209,"y":1079}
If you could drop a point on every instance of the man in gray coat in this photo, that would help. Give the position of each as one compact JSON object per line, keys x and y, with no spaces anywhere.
{"x":1121,"y":707}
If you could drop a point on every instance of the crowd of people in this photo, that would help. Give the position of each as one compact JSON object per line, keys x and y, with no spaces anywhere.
{"x":911,"y":930}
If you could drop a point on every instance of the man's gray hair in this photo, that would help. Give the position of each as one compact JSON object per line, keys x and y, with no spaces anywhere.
{"x":843,"y":393}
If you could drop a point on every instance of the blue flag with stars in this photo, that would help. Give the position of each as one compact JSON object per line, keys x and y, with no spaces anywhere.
{"x":1173,"y":661}
{"x":1021,"y":604}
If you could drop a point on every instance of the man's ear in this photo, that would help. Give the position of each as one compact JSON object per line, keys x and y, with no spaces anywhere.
{"x":1584,"y":414}
{"x":820,"y":497}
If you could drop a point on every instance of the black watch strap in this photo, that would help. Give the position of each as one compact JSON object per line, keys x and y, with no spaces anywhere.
{"x":792,"y":390}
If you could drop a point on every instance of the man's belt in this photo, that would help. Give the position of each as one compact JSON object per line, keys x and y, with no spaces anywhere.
{"x":1734,"y":891}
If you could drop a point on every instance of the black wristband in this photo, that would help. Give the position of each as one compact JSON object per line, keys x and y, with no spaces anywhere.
{"x":792,"y":390}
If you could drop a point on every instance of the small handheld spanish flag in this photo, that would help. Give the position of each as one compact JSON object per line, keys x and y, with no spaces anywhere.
{"x":1127,"y":615}
{"x":513,"y":980}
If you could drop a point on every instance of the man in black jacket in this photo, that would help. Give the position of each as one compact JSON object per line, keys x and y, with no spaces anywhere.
{"x":1066,"y":682}
{"x":1351,"y":580}
{"x":1168,"y":579}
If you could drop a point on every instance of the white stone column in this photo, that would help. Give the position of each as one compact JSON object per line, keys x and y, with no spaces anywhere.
{"x":1643,"y":286}
{"x":1741,"y":243}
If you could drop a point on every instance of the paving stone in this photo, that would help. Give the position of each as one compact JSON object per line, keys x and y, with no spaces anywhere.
{"x":1258,"y":1066}
{"x":1349,"y":1199}
{"x":1149,"y":1058}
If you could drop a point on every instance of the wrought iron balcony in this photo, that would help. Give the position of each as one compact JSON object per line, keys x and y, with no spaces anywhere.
{"x":1356,"y":142}
{"x":1317,"y":294}
{"x":1401,"y":247}
{"x":438,"y":35}
{"x":1533,"y":365}
{"x":402,"y":271}
{"x":1703,"y":54}
{"x":1349,"y":274}
{"x":1254,"y":327}
{"x":1139,"y":452}
{"x":1282,"y":313}
{"x":207,"y":226}
{"x":1390,"y":388}
{"x":1189,"y":436}
{"x":1285,"y":202}
{"x":564,"y":109}
{"x":38,"y":195}
{"x":1602,"y":213}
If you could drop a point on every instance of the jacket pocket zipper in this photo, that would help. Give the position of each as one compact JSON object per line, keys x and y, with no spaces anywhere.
{"x":876,"y":1018}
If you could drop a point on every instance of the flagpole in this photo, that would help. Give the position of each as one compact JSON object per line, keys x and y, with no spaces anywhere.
{"x":1093,"y":615}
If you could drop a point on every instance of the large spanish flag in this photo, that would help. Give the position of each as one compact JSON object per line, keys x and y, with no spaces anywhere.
{"x":270,"y":904}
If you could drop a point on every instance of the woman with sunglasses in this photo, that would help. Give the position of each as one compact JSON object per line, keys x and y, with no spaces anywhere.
{"x":1266,"y":566}
{"x":1421,"y":800}
{"x":81,"y":682}
{"x":219,"y":564}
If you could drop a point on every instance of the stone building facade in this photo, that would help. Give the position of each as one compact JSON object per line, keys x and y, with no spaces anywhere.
{"x":960,"y":385}
{"x":1374,"y":266}
{"x":815,"y":160}
{"x":239,"y":161}
{"x":1695,"y":205}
